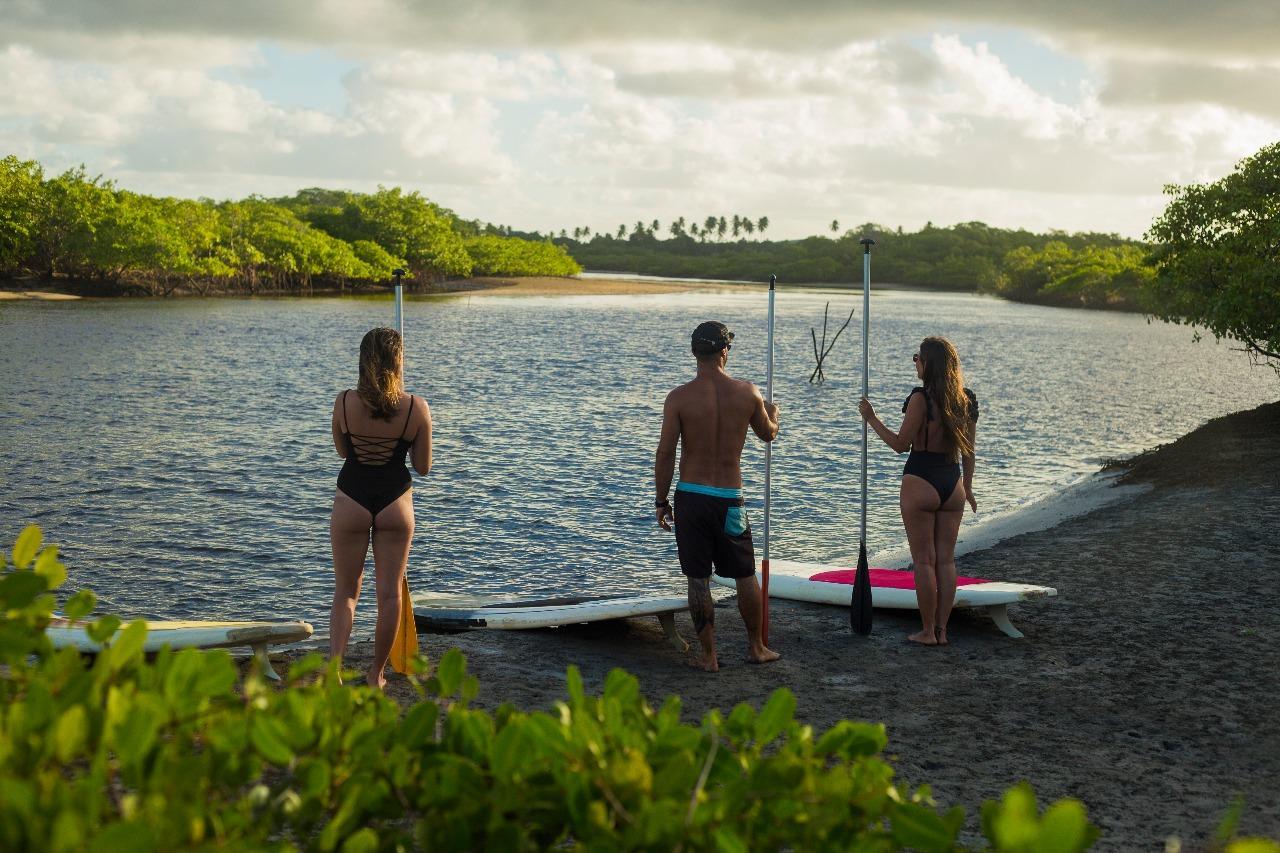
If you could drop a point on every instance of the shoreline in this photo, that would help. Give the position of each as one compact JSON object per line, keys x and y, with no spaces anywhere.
{"x":52,"y":290}
{"x":1146,"y":689}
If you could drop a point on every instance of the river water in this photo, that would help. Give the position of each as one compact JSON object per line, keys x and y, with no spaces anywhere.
{"x":179,"y":450}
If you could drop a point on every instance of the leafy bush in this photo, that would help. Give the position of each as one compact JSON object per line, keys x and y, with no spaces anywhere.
{"x":1216,"y":255}
{"x":111,"y":240}
{"x":1089,"y":277}
{"x":513,"y":256}
{"x":125,"y":753}
{"x":966,"y":256}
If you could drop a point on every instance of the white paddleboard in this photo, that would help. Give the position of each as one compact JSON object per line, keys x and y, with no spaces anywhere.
{"x":192,"y":635}
{"x":891,"y":589}
{"x":545,"y":613}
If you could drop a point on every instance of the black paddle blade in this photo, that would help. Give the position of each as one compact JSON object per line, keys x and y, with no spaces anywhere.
{"x":860,"y":606}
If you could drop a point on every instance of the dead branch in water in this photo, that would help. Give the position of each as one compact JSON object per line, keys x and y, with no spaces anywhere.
{"x":820,"y":352}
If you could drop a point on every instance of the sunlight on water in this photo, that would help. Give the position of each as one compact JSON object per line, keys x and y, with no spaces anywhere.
{"x":180,"y":450}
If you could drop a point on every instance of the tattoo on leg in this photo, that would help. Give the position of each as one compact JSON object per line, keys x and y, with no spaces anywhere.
{"x":701,"y":605}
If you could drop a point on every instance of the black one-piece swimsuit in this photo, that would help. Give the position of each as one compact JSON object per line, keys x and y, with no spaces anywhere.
{"x":940,"y":470}
{"x":374,"y":474}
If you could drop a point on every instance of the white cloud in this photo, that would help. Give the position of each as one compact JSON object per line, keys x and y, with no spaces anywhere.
{"x":1231,"y":29}
{"x":980,"y":85}
{"x":525,"y":75}
{"x":804,"y":117}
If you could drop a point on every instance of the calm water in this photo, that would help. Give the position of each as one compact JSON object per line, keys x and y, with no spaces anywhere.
{"x":179,"y":451}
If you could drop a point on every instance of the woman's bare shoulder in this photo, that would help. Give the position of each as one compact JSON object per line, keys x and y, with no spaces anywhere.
{"x":420,"y":406}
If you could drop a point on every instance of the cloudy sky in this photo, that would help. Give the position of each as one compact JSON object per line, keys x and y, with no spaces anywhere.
{"x":552,"y":114}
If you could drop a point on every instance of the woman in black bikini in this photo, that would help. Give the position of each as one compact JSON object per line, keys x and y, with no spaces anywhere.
{"x":373,"y":430}
{"x":940,"y":429}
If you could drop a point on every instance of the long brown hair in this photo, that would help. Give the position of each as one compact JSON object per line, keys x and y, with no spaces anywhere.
{"x":381,"y":384}
{"x":944,"y":383}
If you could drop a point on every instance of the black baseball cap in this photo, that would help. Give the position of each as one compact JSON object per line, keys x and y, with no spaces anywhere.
{"x":711,"y":336}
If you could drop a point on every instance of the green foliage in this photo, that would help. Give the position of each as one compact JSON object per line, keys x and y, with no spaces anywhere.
{"x":406,"y":225}
{"x":110,"y":240}
{"x":1090,"y":277}
{"x":968,"y":256}
{"x":21,"y":197}
{"x":174,"y":753}
{"x":513,"y":256}
{"x":1218,"y":255}
{"x":270,"y":246}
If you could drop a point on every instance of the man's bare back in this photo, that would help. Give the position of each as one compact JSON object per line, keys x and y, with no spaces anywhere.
{"x":713,"y":412}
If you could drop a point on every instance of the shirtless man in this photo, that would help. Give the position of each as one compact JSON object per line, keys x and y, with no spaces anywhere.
{"x":709,"y":416}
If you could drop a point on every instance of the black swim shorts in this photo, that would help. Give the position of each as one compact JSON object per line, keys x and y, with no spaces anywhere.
{"x":712,"y":531}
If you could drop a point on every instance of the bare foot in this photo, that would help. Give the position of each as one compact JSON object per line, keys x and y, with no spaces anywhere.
{"x":924,"y":638}
{"x":378,"y":682}
{"x":942,"y":637}
{"x":703,"y":663}
{"x":762,"y":655}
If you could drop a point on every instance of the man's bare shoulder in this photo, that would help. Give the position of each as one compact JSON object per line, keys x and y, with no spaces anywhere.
{"x":747,"y":388}
{"x":680,"y":392}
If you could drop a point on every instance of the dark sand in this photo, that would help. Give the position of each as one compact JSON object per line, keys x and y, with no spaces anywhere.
{"x":1149,"y":688}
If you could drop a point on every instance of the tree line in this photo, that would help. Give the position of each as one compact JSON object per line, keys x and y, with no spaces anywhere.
{"x":1088,"y":268}
{"x":711,"y":228}
{"x":87,"y":230}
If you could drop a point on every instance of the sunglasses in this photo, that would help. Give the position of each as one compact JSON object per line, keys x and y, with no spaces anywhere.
{"x":915,"y":356}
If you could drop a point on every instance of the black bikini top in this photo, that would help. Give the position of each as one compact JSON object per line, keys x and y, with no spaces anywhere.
{"x":373,"y":450}
{"x":928,"y":409}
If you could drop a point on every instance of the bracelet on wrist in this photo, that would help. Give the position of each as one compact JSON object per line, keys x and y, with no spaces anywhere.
{"x":660,"y":504}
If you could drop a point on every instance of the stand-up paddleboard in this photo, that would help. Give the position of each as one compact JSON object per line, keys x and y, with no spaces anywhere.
{"x":893,"y":589}
{"x":194,"y":635}
{"x":460,"y":615}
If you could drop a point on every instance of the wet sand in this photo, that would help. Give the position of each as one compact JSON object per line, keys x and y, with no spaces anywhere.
{"x":39,"y":295}
{"x":1148,"y":688}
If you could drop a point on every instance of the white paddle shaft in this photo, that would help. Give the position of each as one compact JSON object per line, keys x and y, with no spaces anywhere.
{"x":768,"y":448}
{"x":866,"y":331}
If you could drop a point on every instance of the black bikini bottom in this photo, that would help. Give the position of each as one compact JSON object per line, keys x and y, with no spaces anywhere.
{"x":940,"y":470}
{"x":374,"y":487}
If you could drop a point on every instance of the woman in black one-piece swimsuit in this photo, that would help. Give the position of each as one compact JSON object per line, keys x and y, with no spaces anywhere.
{"x":940,"y":430}
{"x":374,"y":430}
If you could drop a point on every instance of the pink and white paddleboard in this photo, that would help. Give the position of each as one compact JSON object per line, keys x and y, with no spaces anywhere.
{"x":891,"y":588}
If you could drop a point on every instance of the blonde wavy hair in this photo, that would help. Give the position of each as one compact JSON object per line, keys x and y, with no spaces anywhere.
{"x":381,"y":384}
{"x":944,"y":383}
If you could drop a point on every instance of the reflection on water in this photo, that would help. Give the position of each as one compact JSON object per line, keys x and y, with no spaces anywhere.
{"x":180,"y":450}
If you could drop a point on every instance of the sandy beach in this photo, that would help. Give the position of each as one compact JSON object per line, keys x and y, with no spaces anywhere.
{"x":1147,"y":688}
{"x":38,"y":295}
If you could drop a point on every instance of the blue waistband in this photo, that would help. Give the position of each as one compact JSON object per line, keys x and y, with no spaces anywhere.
{"x":713,"y":491}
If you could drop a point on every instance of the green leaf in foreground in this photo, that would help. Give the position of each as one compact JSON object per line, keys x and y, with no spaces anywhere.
{"x":452,"y":668}
{"x":80,"y":605}
{"x":917,"y":827}
{"x":25,"y":548}
{"x":49,"y":568}
{"x":126,"y":648}
{"x":776,"y":715}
